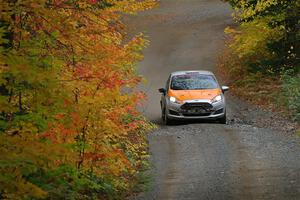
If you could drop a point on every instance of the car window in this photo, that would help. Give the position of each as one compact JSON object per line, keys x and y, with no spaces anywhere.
{"x":194,"y":81}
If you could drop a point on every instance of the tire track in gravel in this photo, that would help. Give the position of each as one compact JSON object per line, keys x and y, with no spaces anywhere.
{"x":171,"y":176}
{"x":257,"y":175}
{"x":241,"y":168}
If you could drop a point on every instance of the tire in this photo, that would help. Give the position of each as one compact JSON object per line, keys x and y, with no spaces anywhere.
{"x":162,"y":112}
{"x":223,"y":120}
{"x":165,"y":118}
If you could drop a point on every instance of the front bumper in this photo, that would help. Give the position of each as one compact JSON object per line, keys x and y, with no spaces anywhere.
{"x":208,"y":110}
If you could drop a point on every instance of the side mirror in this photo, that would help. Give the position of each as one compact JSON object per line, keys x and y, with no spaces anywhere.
{"x":224,"y":88}
{"x":162,"y":90}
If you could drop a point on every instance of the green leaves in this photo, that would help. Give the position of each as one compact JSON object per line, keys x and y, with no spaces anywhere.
{"x":252,"y":38}
{"x":291,"y":90}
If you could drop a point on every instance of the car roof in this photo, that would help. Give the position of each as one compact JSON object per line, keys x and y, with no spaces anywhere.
{"x":204,"y":72}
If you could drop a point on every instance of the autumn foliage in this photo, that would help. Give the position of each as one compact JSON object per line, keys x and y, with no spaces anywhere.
{"x":262,"y":58}
{"x":69,"y":127}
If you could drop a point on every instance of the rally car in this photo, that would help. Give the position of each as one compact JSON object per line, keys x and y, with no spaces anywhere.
{"x":193,"y":95}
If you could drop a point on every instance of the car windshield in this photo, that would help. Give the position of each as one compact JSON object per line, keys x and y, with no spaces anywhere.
{"x":193,"y":81}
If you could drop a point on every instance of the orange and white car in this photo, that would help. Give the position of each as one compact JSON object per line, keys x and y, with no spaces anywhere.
{"x":193,"y":95}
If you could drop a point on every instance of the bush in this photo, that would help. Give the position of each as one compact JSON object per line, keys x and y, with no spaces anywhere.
{"x":262,"y":61}
{"x":291,"y":93}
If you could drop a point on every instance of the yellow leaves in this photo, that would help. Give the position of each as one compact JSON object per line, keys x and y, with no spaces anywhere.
{"x":24,"y":128}
{"x":252,"y":38}
{"x":246,"y":10}
{"x":23,"y":153}
{"x":229,"y":30}
{"x":134,"y":49}
{"x":132,"y":6}
{"x":21,"y":189}
{"x":83,"y":4}
{"x":263,"y":5}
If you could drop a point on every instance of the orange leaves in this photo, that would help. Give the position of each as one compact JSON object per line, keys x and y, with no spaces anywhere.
{"x":94,"y":157}
{"x":64,"y":129}
{"x":82,"y":72}
{"x":59,"y":116}
{"x":74,"y":75}
{"x":59,"y":134}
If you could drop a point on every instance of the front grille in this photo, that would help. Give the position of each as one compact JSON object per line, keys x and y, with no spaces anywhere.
{"x":205,"y":106}
{"x":197,"y":109}
{"x":196,"y":114}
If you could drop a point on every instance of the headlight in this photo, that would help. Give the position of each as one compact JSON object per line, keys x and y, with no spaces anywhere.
{"x":174,"y":100}
{"x":217,"y":99}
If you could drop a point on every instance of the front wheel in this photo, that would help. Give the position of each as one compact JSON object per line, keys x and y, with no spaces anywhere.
{"x":223,"y":119}
{"x":165,"y":118}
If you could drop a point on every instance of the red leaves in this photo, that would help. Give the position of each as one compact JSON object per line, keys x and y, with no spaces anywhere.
{"x":106,"y":77}
{"x":92,"y":1}
{"x":67,"y":102}
{"x":57,"y":3}
{"x":95,"y":156}
{"x":82,"y":72}
{"x":17,"y":19}
{"x":60,"y":132}
{"x":59,"y":116}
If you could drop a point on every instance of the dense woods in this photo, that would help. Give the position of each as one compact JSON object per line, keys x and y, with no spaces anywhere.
{"x":69,"y":127}
{"x":69,"y":124}
{"x":263,"y":56}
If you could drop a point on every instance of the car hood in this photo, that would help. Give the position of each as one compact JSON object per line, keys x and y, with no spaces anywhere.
{"x":184,"y":95}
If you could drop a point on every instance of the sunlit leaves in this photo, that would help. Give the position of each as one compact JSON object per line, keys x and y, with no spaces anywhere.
{"x":267,"y":31}
{"x":252,"y":38}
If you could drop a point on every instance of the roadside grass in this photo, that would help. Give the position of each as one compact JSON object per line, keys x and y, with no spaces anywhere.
{"x":298,"y":132}
{"x":291,"y":93}
{"x":143,"y":183}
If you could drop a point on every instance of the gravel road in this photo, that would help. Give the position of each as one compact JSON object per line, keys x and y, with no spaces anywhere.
{"x":202,"y":160}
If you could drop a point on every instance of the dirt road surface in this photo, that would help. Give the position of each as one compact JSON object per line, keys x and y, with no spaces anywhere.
{"x":195,"y":161}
